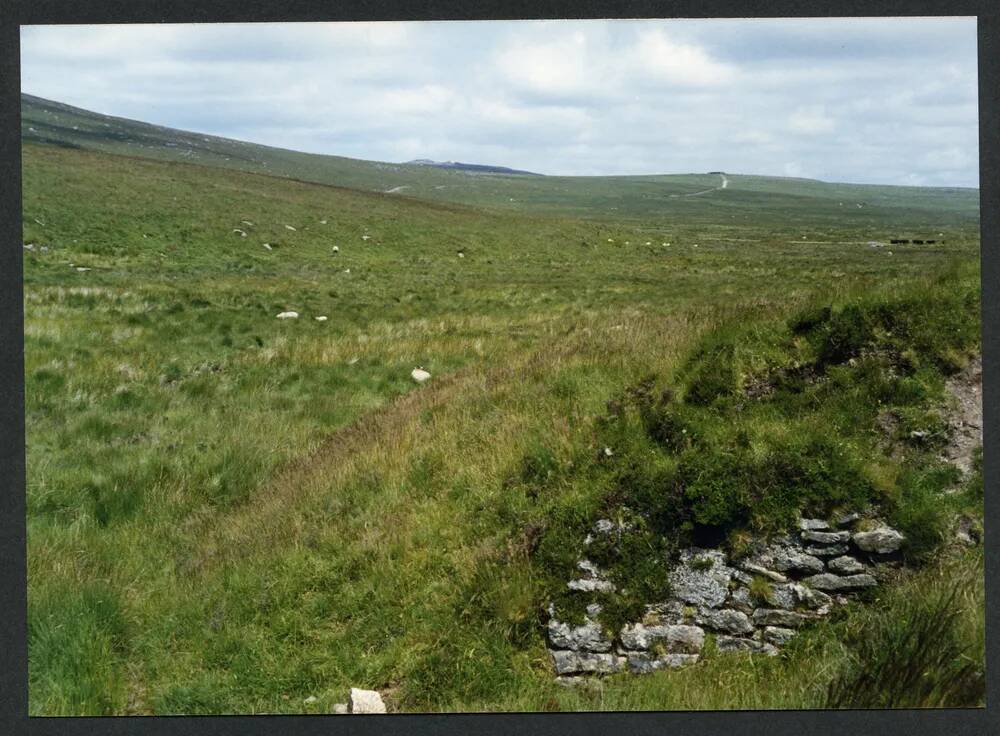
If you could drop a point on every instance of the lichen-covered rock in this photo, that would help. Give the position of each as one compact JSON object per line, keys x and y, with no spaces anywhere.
{"x":782,"y":618}
{"x":968,"y":531}
{"x":840,"y":584}
{"x":587,"y":637}
{"x":845,"y":565}
{"x":826,"y":537}
{"x":591,"y":585}
{"x":835,"y":550}
{"x":777,"y":635}
{"x":701,"y":578}
{"x":847,"y":519}
{"x":882,"y":541}
{"x":813,"y":525}
{"x":726,"y":620}
{"x":643,"y":662}
{"x":792,"y":560}
{"x":739,"y":600}
{"x":796,"y":595}
{"x":764,"y":572}
{"x":675,"y":638}
{"x":568,"y":662}
{"x":739,"y":644}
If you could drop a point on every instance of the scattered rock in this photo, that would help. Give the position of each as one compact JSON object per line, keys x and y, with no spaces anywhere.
{"x":739,"y":644}
{"x":701,"y":578}
{"x":419,"y":375}
{"x":340,"y":709}
{"x":726,"y":620}
{"x":779,"y":617}
{"x":643,"y":662}
{"x":884,"y":540}
{"x":847,"y":519}
{"x":790,"y":560}
{"x":826,"y":537}
{"x":763,"y":571}
{"x":288,"y":315}
{"x":813,"y":525}
{"x":845,"y":565}
{"x":777,"y":635}
{"x":837,"y":584}
{"x":587,"y":638}
{"x":968,"y":531}
{"x":289,"y":227}
{"x":795,"y":595}
{"x":676,"y":638}
{"x":569,"y":662}
{"x":833,"y":551}
{"x":365,"y":701}
{"x":321,"y":318}
{"x":588,"y":585}
{"x":310,"y":700}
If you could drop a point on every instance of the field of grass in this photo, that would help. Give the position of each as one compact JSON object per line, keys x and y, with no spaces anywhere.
{"x":229,"y":513}
{"x":749,"y":207}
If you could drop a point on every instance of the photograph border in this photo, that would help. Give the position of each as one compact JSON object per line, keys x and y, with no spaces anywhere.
{"x":13,"y":599}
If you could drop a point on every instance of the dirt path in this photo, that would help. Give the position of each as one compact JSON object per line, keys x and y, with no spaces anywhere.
{"x":723,"y":185}
{"x":966,"y":416}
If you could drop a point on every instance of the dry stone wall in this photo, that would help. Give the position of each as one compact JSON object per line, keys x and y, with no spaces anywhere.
{"x":754,"y":604}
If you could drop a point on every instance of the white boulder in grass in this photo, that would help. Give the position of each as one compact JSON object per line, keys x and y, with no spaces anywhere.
{"x":365,"y":701}
{"x":288,"y":315}
{"x":241,"y":232}
{"x":289,"y":227}
{"x":336,"y":249}
{"x":419,"y":375}
{"x":321,"y":318}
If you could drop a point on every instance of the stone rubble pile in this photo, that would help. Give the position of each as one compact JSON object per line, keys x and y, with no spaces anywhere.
{"x":755,"y":603}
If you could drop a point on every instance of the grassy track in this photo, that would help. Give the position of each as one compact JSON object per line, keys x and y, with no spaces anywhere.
{"x":229,"y":512}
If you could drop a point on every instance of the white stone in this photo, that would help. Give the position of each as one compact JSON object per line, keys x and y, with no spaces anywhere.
{"x":419,"y":375}
{"x":321,"y":318}
{"x":288,"y":315}
{"x":881,"y":541}
{"x":365,"y":701}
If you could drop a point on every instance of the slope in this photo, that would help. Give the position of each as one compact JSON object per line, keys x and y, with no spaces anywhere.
{"x":763,"y":201}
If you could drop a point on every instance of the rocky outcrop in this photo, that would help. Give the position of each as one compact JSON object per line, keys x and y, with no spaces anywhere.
{"x":754,"y":604}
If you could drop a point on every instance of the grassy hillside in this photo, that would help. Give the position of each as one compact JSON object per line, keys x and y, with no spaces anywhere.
{"x":750,"y":203}
{"x":230,"y":513}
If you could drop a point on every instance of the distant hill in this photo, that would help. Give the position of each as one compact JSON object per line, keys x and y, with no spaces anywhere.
{"x":874,"y":211}
{"x":471,"y":168}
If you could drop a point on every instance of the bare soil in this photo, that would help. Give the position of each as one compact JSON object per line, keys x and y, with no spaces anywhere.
{"x":965,"y":415}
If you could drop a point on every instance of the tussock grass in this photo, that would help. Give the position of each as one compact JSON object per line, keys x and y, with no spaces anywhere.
{"x":228,"y":515}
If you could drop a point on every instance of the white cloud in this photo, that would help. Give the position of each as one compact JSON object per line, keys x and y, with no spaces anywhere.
{"x":844,"y":100}
{"x":662,"y":58}
{"x":811,"y":120}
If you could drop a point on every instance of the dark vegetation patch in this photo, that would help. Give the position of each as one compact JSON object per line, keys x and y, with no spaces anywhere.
{"x":696,"y":459}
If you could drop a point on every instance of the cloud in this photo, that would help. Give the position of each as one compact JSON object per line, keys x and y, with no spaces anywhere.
{"x":811,"y":121}
{"x":890,"y":100}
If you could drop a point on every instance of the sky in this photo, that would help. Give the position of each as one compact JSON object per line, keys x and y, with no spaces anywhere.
{"x":891,"y":100}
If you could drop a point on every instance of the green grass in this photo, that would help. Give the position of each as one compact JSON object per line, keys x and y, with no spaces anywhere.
{"x":228,"y":513}
{"x":745,"y":212}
